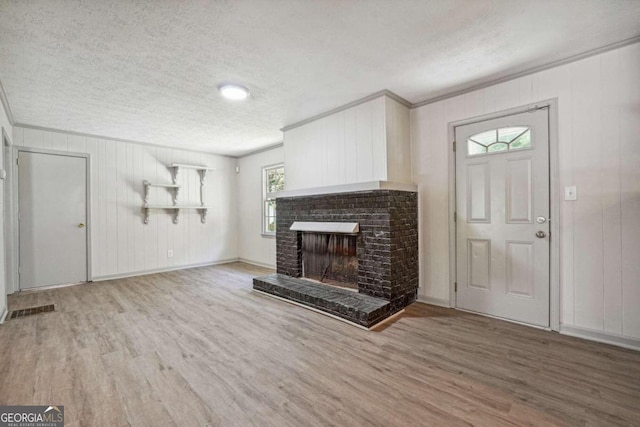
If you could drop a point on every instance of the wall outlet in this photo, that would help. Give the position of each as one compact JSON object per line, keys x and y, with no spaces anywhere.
{"x":570,"y":193}
{"x":170,"y":253}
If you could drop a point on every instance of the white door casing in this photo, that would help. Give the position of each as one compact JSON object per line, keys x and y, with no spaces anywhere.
{"x":502,"y":267}
{"x":52,"y":204}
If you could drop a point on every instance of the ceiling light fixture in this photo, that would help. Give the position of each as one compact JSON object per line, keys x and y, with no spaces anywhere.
{"x":233,"y":92}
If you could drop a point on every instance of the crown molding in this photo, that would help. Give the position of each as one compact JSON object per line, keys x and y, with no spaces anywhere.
{"x":5,"y":104}
{"x":473,"y":88}
{"x":6,"y":139}
{"x":355,"y":103}
{"x":128,"y":141}
{"x":397,"y":98}
{"x":261,"y":150}
{"x":529,"y":71}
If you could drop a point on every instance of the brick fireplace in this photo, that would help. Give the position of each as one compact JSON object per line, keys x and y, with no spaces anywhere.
{"x":386,"y":247}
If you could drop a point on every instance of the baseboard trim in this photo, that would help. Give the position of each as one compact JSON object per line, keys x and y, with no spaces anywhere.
{"x":601,"y":336}
{"x":48,"y":288}
{"x":161,"y":270}
{"x":440,"y":302}
{"x":257,"y":264}
{"x":5,"y":312}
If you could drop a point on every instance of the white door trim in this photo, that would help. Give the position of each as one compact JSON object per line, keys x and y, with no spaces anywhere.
{"x":89,"y":224}
{"x":554,"y":199}
{"x":10,"y":231}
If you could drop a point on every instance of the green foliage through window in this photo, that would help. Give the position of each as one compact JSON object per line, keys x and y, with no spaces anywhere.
{"x":273,"y":181}
{"x":499,"y":140}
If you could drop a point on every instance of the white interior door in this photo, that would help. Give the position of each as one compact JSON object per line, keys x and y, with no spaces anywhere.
{"x":52,"y":203}
{"x":502,"y":209}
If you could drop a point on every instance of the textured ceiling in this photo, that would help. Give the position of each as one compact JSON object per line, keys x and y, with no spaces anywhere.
{"x":148,"y":70}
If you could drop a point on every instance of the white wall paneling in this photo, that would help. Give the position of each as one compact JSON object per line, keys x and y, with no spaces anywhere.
{"x":586,"y":81}
{"x":367,"y":142}
{"x":121,"y":243}
{"x":598,"y":130}
{"x":627,"y":108}
{"x":398,"y":154}
{"x":253,"y":247}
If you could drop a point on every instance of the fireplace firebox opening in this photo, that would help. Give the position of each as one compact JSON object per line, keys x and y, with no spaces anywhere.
{"x":330,"y":258}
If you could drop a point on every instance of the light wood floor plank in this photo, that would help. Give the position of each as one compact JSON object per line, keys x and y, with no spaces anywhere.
{"x":197,"y":347}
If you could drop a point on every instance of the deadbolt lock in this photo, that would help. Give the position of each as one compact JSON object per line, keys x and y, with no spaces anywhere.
{"x":541,"y":220}
{"x":541,"y":234}
{"x":81,"y":225}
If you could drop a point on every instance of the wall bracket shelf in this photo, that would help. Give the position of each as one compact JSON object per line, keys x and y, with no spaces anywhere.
{"x":202,"y":170}
{"x":175,"y":188}
{"x":176,"y":211}
{"x":147,"y":190}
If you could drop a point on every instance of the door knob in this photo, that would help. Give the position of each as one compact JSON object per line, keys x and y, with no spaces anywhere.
{"x":81,"y":225}
{"x":541,"y":234}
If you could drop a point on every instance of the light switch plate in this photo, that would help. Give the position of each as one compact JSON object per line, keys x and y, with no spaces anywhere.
{"x":570,"y":193}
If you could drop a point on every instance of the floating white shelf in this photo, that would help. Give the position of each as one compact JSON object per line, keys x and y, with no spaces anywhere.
{"x":202,"y":209}
{"x":162,"y":185}
{"x":176,"y":207}
{"x":198,"y":167}
{"x":202,"y":170}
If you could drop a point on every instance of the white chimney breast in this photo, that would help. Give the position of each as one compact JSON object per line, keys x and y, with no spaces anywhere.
{"x":327,"y":150}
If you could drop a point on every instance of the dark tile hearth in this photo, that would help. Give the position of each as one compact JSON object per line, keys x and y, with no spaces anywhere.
{"x":359,"y":308}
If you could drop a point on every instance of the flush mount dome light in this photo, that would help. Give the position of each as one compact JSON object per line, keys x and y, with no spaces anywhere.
{"x":233,"y":92}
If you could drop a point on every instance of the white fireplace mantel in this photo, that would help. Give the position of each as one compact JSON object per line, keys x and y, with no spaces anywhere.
{"x":326,"y":227}
{"x":346,"y":188}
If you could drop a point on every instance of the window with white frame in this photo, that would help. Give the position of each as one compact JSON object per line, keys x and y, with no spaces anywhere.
{"x":272,"y":181}
{"x":499,"y":140}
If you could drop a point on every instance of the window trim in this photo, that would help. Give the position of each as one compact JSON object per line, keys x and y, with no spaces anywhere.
{"x":265,"y":197}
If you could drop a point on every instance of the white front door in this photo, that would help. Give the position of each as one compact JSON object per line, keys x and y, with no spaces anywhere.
{"x":52,"y":204}
{"x":502,"y":210}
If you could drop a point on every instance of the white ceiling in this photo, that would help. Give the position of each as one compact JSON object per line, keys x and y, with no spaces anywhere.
{"x":148,"y":70}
